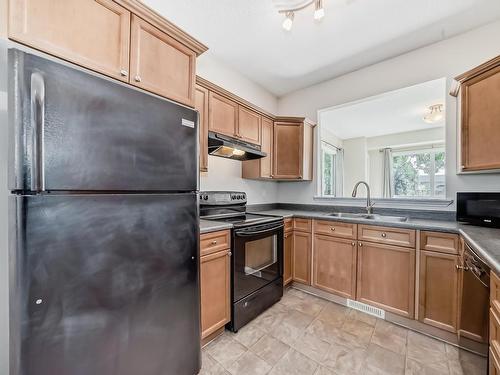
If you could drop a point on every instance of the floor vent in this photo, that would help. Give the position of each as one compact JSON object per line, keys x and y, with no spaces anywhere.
{"x":379,"y":313}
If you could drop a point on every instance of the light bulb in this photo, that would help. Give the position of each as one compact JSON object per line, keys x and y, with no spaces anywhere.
{"x":319,"y":12}
{"x":288,"y":22}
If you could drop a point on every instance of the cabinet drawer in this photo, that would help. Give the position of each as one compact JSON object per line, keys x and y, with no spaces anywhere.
{"x":495,"y":292}
{"x":494,"y":362}
{"x":494,"y":327}
{"x":288,"y":224}
{"x":335,"y":228}
{"x":213,"y":242}
{"x":440,"y":242}
{"x":392,"y":236}
{"x":303,"y":225}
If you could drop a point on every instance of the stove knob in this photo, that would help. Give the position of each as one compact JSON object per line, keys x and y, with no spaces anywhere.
{"x":205,"y":197}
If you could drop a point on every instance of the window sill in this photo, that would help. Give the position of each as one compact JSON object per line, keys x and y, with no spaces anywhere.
{"x":427,"y":203}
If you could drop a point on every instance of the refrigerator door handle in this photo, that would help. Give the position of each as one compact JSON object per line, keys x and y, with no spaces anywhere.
{"x":38,"y":124}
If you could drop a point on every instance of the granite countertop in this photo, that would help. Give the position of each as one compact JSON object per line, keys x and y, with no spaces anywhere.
{"x":207,"y":226}
{"x":484,"y":241}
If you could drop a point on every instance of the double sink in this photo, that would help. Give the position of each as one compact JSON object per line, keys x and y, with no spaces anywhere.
{"x":374,"y":217}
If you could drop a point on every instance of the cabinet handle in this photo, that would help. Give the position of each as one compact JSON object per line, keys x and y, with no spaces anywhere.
{"x":360,"y":244}
{"x":384,"y":235}
{"x":332,"y":229}
{"x":230,"y":253}
{"x":353,"y":243}
{"x":123,"y":72}
{"x":465,"y":268}
{"x":138,"y":78}
{"x":214,"y":242}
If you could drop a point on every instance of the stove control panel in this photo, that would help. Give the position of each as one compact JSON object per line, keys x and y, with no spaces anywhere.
{"x":222,"y":198}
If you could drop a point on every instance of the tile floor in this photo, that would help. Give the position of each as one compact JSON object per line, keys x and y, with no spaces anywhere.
{"x":306,"y":335}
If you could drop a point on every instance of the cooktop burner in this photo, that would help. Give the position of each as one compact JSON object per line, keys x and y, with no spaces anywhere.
{"x":230,"y":207}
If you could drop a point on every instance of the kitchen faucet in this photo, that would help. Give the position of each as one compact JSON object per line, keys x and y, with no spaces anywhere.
{"x":369,"y":204}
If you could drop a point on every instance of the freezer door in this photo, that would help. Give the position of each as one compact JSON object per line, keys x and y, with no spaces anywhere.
{"x":105,"y":285}
{"x":73,"y":130}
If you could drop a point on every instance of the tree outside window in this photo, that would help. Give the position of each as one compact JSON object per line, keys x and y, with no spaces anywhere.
{"x":419,"y":173}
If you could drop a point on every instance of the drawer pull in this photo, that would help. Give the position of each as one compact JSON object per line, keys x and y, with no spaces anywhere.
{"x":353,"y":243}
{"x":138,"y":78}
{"x":332,"y":228}
{"x":360,"y":244}
{"x":230,"y":253}
{"x":214,"y":242}
{"x":123,"y":73}
{"x":384,"y":235}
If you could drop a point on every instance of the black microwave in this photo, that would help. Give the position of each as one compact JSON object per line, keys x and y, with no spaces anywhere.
{"x":479,"y":208}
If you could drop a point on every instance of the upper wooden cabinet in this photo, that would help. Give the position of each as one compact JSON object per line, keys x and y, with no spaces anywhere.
{"x":261,"y":168}
{"x":201,"y":105}
{"x":123,"y":39}
{"x":223,"y":114}
{"x":480,"y":117}
{"x":160,"y":64}
{"x":293,"y":149}
{"x":93,"y":34}
{"x":249,"y":129}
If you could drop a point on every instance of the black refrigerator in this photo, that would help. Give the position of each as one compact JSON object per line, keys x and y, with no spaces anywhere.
{"x":104,"y":233}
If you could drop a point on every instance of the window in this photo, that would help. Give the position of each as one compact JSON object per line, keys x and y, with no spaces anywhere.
{"x":328,"y":161}
{"x":419,"y":173}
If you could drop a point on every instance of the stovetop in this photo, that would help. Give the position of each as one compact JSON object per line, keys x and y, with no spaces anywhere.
{"x":230,"y":207}
{"x":245,"y":219}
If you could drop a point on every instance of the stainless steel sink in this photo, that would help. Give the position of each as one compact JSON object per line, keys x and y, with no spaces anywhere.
{"x":375,"y":217}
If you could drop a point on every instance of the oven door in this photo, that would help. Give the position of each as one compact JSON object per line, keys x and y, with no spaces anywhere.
{"x":257,"y":258}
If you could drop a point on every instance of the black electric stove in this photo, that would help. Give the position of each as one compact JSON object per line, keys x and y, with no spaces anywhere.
{"x":257,"y":254}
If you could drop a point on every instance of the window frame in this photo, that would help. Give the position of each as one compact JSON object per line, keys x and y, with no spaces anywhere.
{"x":333,"y":151}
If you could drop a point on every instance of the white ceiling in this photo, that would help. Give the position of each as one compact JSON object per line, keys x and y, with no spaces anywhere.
{"x":247,"y":34}
{"x":390,"y":113}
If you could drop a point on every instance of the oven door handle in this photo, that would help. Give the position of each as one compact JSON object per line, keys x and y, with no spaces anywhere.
{"x":253,"y":233}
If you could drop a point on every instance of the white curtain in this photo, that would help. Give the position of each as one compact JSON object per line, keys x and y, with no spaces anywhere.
{"x":387,"y":177}
{"x":339,"y":173}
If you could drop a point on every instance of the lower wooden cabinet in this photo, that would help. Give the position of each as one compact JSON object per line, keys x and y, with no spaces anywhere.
{"x":287,"y":255}
{"x":302,"y":257}
{"x":335,"y":265}
{"x":215,"y":284}
{"x":438,"y":292}
{"x":386,"y":277}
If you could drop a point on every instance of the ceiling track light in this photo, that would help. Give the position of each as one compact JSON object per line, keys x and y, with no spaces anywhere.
{"x":288,"y":22}
{"x":319,"y":12}
{"x":435,"y":114}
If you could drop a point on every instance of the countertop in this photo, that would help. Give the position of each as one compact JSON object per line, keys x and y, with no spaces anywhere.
{"x":207,"y":226}
{"x":484,"y":241}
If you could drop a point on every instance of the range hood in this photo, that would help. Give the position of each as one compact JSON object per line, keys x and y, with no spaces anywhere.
{"x":231,"y":148}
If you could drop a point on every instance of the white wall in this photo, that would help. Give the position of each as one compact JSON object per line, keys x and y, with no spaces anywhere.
{"x":447,"y":58}
{"x":225,"y":174}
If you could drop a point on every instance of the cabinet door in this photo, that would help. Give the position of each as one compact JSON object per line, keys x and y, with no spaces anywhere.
{"x":215,"y":289}
{"x":92,"y":33}
{"x":266,"y":163}
{"x":335,"y":265}
{"x":223,"y":115}
{"x":288,"y":150}
{"x":438,"y":295}
{"x":201,"y":105}
{"x":287,"y":254}
{"x":386,"y":277}
{"x":160,"y":64}
{"x":248,"y":125}
{"x":480,"y":124}
{"x":302,"y":257}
